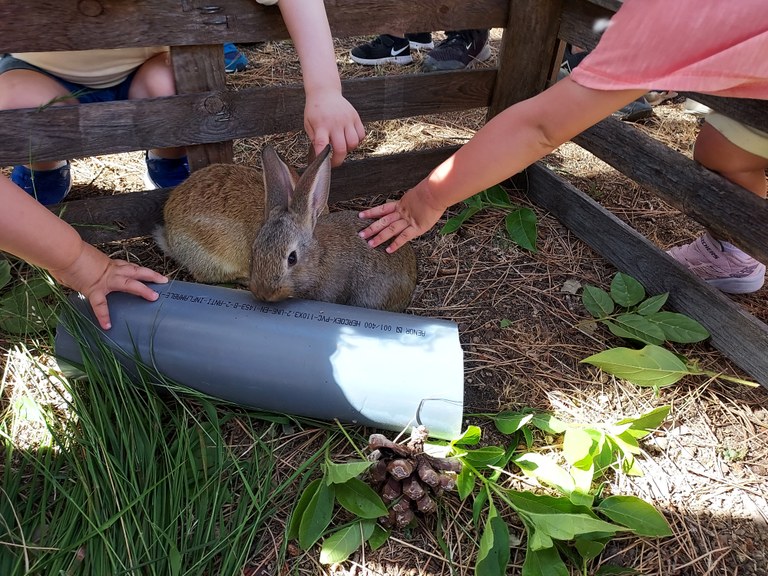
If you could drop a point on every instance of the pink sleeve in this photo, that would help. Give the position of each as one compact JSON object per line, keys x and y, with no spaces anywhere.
{"x":712,"y":46}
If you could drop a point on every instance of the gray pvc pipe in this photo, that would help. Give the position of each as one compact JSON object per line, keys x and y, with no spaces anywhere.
{"x":301,"y":357}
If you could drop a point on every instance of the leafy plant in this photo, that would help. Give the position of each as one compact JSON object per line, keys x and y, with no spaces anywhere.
{"x":629,"y":314}
{"x":572,"y":527}
{"x":26,"y":305}
{"x":314,"y":511}
{"x":520,"y":223}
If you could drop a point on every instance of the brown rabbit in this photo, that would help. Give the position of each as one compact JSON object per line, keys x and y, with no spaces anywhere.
{"x":301,"y":252}
{"x":213,"y":225}
{"x":211,"y":220}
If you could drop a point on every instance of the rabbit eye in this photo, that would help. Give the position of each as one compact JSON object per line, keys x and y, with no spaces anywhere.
{"x":292,"y":258}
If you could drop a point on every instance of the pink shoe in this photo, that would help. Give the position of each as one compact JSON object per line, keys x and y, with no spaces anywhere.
{"x":721,"y":265}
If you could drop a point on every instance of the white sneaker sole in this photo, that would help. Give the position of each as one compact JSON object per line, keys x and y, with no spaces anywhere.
{"x":380,"y":61}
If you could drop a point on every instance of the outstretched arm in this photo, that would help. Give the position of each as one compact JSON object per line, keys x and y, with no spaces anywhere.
{"x":32,"y":232}
{"x":328,"y":116}
{"x":514,"y":139}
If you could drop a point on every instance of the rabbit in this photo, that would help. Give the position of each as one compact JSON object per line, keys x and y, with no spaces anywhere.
{"x":211,"y":220}
{"x":302,"y":252}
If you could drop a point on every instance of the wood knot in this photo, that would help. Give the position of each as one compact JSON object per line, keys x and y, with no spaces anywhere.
{"x":90,"y":7}
{"x":214,"y":105}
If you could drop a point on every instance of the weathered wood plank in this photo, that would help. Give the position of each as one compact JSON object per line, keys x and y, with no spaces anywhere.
{"x":527,"y":52}
{"x":728,"y":210}
{"x":577,"y":21}
{"x":87,"y":24}
{"x":132,"y":215}
{"x":115,"y":127}
{"x":198,"y":69}
{"x":737,"y":334}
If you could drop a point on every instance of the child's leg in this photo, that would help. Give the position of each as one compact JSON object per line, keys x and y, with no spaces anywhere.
{"x":739,"y":154}
{"x":153,"y":79}
{"x":166,"y":167}
{"x":716,"y":152}
{"x":23,"y":88}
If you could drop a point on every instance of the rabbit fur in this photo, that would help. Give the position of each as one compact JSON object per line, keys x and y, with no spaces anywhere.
{"x":289,"y":245}
{"x":210,"y":221}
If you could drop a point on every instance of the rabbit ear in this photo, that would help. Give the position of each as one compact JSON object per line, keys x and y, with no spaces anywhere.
{"x":311,"y":194}
{"x":279,"y":180}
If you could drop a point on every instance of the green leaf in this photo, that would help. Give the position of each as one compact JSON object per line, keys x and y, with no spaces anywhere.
{"x":465,"y":482}
{"x":557,"y":518}
{"x":578,"y":446}
{"x":679,"y":327}
{"x":652,"y":304}
{"x":636,"y":327}
{"x":651,"y":366}
{"x":626,"y":291}
{"x":578,"y":497}
{"x":477,"y":506}
{"x":542,"y":504}
{"x":511,"y":422}
{"x":342,"y":543}
{"x":493,"y":554}
{"x":317,"y":515}
{"x":476,"y":201}
{"x":597,"y":301}
{"x":521,"y":227}
{"x":378,"y":537}
{"x":496,"y":196}
{"x":470,"y":437}
{"x":360,"y":499}
{"x":482,"y":457}
{"x":301,"y":507}
{"x":5,"y":273}
{"x":636,"y":515}
{"x":548,"y":423}
{"x":453,"y":224}
{"x":589,"y":548}
{"x":340,"y":473}
{"x":544,"y":562}
{"x":626,"y":442}
{"x":569,"y":526}
{"x":546,"y":471}
{"x":528,"y":435}
{"x":646,"y":422}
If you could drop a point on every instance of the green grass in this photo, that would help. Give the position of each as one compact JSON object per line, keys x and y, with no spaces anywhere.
{"x":138,"y":479}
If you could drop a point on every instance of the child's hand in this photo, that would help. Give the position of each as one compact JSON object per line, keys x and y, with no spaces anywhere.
{"x":402,"y":220}
{"x":330,"y":118}
{"x":95,"y":275}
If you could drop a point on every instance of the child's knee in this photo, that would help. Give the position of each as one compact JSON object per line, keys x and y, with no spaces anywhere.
{"x":154,"y":78}
{"x":29,"y":89}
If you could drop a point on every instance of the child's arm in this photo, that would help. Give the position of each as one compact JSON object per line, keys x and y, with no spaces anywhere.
{"x":32,"y":232}
{"x":328,"y":116}
{"x":512,"y":140}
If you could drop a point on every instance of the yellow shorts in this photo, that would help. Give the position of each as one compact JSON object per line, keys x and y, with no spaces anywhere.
{"x":750,"y":139}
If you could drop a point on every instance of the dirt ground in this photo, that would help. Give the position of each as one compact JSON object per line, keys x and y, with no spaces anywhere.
{"x":524,"y":331}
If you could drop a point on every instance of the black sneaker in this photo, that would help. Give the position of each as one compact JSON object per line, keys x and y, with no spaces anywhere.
{"x":420,"y":41}
{"x":382,"y":50}
{"x":461,"y":49}
{"x":634,"y":111}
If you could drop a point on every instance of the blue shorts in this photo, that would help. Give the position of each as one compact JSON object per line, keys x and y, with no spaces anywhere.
{"x":83,"y":93}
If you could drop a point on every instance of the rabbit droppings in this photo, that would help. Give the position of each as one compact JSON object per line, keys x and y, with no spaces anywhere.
{"x":287,"y":243}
